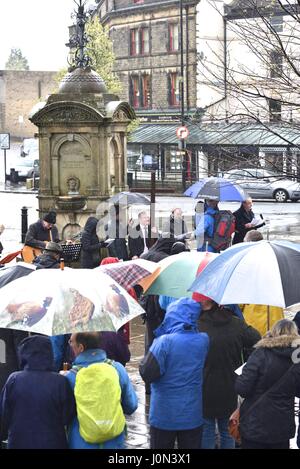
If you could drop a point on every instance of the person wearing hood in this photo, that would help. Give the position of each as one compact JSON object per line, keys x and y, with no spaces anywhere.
{"x":269,"y":383}
{"x":229,"y":336}
{"x":36,"y":403}
{"x":174,"y":367}
{"x":160,"y":249}
{"x":90,"y":251}
{"x":205,"y":227}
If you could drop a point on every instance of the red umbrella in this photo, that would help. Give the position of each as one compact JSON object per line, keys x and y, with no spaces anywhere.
{"x":9,"y":257}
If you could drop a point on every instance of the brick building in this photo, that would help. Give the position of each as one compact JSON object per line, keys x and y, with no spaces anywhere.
{"x":20,"y":90}
{"x":146,"y":42}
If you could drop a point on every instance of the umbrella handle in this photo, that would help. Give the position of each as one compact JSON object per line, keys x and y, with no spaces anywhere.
{"x":206,"y":246}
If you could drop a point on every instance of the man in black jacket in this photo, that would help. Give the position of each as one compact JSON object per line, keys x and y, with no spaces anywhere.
{"x":244,"y":217}
{"x":139,"y":237}
{"x":42,"y":231}
{"x":228,"y":336}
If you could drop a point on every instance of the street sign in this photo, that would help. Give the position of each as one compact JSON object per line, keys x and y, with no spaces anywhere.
{"x":4,"y":142}
{"x":182,"y":132}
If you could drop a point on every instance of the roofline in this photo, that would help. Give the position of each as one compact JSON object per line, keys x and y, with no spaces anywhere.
{"x":233,"y":13}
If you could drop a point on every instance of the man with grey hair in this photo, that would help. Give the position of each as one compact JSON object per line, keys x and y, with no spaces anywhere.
{"x":139,"y":236}
{"x":253,"y":235}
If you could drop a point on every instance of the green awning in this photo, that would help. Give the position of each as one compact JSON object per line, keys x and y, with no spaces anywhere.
{"x":220,"y":134}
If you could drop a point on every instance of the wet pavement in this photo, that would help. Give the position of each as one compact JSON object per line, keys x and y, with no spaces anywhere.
{"x":284,"y":222}
{"x":137,"y":424}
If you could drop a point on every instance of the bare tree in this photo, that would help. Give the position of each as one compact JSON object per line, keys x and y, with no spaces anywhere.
{"x":256,"y":68}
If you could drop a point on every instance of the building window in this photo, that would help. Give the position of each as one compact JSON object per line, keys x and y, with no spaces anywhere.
{"x":173,"y":37}
{"x":277,"y":23}
{"x":145,"y":85}
{"x":174,"y":93}
{"x":275,"y":64}
{"x":144,"y":37}
{"x":140,"y":91}
{"x":134,"y":91}
{"x":134,"y":42}
{"x":139,"y":41}
{"x":274,"y":110}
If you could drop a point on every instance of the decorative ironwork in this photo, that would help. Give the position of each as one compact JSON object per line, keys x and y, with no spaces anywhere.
{"x":78,"y":57}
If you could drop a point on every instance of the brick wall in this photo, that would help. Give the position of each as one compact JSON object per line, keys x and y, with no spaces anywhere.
{"x":19,"y":92}
{"x":160,"y":62}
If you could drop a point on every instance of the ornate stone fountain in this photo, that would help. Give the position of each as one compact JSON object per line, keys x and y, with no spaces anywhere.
{"x":82,"y":133}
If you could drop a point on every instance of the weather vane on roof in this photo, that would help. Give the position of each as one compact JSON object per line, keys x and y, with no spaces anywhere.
{"x":78,"y":57}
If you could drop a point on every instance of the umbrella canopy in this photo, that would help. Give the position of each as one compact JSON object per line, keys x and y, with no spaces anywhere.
{"x":263,"y":272}
{"x":217,"y":189}
{"x":129,"y":273}
{"x":8,"y":274}
{"x":130,"y":198}
{"x":10,"y":257}
{"x":174,"y":274}
{"x":52,"y":301}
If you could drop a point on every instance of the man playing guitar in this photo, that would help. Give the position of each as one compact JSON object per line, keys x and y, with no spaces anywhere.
{"x":37,"y":236}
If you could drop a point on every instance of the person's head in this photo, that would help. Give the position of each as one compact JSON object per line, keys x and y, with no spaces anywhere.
{"x":212,"y":203}
{"x":82,"y":341}
{"x":144,"y":218}
{"x":199,"y":207}
{"x":49,"y":219}
{"x":284,"y":327}
{"x":178,"y":247}
{"x":54,"y":249}
{"x":2,"y":228}
{"x":247,"y":204}
{"x":253,"y":235}
{"x":177,"y":212}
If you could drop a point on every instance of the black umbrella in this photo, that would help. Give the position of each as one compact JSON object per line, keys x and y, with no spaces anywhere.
{"x":8,"y":274}
{"x":130,"y":198}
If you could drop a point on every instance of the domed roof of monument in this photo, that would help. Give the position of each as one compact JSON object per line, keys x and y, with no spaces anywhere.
{"x":82,"y":80}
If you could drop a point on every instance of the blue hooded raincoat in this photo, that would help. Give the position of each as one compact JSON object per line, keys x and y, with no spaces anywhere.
{"x":174,"y":365}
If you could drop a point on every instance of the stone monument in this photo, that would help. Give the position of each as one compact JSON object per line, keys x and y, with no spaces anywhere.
{"x":82,"y":133}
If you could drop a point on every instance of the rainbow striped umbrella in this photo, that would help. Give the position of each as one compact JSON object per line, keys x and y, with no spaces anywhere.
{"x":173,"y":274}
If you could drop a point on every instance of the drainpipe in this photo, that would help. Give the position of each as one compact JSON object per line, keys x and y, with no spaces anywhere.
{"x":187,"y":57}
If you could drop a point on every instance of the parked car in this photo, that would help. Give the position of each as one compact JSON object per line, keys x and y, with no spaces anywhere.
{"x":26,"y":168}
{"x":265,"y":184}
{"x":29,"y":147}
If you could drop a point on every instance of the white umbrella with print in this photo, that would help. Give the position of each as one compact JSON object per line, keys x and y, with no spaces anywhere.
{"x":53,"y":301}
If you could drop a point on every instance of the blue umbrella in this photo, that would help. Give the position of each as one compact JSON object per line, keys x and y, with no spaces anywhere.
{"x":263,"y":272}
{"x":217,"y":189}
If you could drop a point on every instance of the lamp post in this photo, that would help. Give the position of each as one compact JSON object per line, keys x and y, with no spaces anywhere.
{"x":182,"y":142}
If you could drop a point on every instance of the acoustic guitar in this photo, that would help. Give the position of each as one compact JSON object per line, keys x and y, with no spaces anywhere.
{"x":29,"y":253}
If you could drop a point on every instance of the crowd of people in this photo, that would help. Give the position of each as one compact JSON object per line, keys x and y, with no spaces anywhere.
{"x":192,"y":348}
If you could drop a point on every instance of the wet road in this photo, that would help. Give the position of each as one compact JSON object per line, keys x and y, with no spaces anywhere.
{"x":283,"y":223}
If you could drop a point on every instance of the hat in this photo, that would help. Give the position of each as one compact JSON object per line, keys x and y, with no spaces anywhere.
{"x":53,"y":247}
{"x":50,"y":217}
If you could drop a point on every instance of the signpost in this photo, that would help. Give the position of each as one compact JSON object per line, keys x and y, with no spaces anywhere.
{"x":182,"y":133}
{"x":4,"y":145}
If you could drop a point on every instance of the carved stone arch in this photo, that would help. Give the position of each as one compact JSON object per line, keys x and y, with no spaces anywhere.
{"x":116,"y":155}
{"x":66,"y":112}
{"x":71,"y":157}
{"x":124,"y":112}
{"x":69,"y":138}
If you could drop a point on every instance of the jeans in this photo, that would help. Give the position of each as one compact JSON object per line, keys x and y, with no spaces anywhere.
{"x":209,"y":434}
{"x":165,"y":439}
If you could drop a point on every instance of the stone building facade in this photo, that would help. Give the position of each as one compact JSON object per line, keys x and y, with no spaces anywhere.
{"x":20,"y":90}
{"x":146,"y":42}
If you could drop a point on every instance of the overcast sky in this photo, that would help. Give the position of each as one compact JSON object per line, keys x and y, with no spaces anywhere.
{"x":39,"y":28}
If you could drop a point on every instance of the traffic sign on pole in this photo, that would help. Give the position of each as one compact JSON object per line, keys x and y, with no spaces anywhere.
{"x":182,"y":132}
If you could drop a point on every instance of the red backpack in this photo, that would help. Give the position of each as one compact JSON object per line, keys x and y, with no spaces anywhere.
{"x":224,"y":227}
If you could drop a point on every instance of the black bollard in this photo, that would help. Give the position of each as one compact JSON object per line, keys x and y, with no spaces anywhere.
{"x":24,"y":223}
